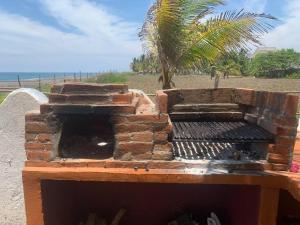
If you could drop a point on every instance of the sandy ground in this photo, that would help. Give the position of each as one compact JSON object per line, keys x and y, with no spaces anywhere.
{"x":150,"y":84}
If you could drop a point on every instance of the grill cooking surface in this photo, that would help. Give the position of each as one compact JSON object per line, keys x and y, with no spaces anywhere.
{"x":218,"y":140}
{"x":193,"y":150}
{"x":220,"y":131}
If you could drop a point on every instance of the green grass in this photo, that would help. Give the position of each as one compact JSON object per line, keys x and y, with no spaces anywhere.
{"x":294,"y":76}
{"x":46,"y":88}
{"x":108,"y":78}
{"x":2,"y":97}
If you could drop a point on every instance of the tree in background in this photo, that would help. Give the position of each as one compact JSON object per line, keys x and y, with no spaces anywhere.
{"x":234,"y":63}
{"x":145,"y":64}
{"x":177,"y":34}
{"x":276,"y":64}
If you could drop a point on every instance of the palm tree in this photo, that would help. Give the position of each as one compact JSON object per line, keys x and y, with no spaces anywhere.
{"x":181,"y":33}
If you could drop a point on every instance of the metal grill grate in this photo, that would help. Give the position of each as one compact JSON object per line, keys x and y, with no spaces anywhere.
{"x":220,"y":132}
{"x":218,"y":140}
{"x":191,"y":150}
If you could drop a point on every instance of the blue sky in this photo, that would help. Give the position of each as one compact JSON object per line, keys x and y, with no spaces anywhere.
{"x":101,"y":35}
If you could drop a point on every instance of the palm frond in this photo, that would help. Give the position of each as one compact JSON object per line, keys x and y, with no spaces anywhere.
{"x":177,"y":33}
{"x":227,"y":31}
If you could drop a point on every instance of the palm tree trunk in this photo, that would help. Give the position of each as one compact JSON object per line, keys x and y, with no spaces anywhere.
{"x":166,"y":77}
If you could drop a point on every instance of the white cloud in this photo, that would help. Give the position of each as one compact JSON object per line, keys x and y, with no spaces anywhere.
{"x":286,"y":35}
{"x":103,"y":41}
{"x":255,"y":5}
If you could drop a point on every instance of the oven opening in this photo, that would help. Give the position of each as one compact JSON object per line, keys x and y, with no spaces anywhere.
{"x":86,"y":137}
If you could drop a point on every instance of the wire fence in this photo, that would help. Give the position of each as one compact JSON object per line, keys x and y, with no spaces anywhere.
{"x":41,"y":83}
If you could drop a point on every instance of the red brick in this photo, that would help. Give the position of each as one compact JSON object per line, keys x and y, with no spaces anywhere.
{"x":145,"y":136}
{"x":128,"y":156}
{"x":46,"y":108}
{"x":38,"y":146}
{"x":119,"y":119}
{"x":129,"y":128}
{"x":30,"y":137}
{"x":34,"y":146}
{"x":166,"y":147}
{"x":245,"y":96}
{"x":161,"y":127}
{"x":147,"y":118}
{"x":34,"y":116}
{"x":284,"y":150}
{"x":123,"y":98}
{"x":37,"y":127}
{"x":57,"y":98}
{"x":162,"y":155}
{"x":290,"y":105}
{"x":39,"y":155}
{"x":74,"y":88}
{"x":44,"y":137}
{"x":278,"y":158}
{"x":261,"y":99}
{"x":135,"y":147}
{"x":280,"y":167}
{"x":162,"y":101}
{"x":160,"y":137}
{"x":286,"y":131}
{"x":145,"y":156}
{"x":123,"y":137}
{"x":276,"y":100}
{"x":285,"y":121}
{"x":284,"y":141}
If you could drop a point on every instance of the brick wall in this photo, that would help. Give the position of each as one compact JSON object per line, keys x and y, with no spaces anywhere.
{"x":275,"y":112}
{"x":141,"y":133}
{"x":142,"y":137}
{"x":41,"y":135}
{"x":168,"y":98}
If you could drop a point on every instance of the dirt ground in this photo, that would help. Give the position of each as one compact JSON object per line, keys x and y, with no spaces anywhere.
{"x":149,"y":84}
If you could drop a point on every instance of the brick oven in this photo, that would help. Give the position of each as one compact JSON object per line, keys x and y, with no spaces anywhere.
{"x":97,"y":122}
{"x":94,"y":150}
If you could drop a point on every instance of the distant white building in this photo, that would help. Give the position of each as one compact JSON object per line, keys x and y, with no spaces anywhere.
{"x":263,"y":50}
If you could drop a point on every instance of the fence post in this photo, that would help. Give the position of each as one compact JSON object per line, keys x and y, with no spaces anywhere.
{"x":74,"y":77}
{"x":19,"y":81}
{"x":54,"y":79}
{"x":40,"y":83}
{"x":64,"y":78}
{"x":80,"y":76}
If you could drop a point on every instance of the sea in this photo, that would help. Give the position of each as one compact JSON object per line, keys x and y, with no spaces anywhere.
{"x":13,"y":76}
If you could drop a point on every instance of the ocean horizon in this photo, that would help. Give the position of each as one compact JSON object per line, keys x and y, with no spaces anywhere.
{"x":13,"y":76}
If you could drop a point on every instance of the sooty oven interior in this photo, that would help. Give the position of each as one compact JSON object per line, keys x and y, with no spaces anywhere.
{"x":86,"y":136}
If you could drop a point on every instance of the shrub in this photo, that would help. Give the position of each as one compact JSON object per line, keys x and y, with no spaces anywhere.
{"x":2,"y":97}
{"x":275,"y":64}
{"x":111,"y":78}
{"x":294,"y":76}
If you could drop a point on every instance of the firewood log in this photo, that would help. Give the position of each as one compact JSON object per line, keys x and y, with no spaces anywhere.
{"x":91,"y":219}
{"x":118,"y":217}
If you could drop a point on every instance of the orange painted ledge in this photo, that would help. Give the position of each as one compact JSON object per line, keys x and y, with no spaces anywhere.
{"x":268,"y":179}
